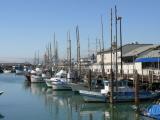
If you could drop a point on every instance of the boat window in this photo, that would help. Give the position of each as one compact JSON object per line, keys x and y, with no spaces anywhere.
{"x":63,"y":76}
{"x":130,"y":84}
{"x":99,"y":82}
{"x":120,"y":84}
{"x":106,"y":83}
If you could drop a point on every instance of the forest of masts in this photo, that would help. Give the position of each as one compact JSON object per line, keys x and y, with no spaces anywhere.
{"x":51,"y":59}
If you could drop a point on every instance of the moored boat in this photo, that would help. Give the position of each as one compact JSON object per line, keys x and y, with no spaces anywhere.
{"x":6,"y":71}
{"x":60,"y":84}
{"x":91,"y":96}
{"x":124,"y":93}
{"x":59,"y":81}
{"x":78,"y":86}
{"x":152,"y":112}
{"x":96,"y":85}
{"x":96,"y":96}
{"x":19,"y":70}
{"x":36,"y":76}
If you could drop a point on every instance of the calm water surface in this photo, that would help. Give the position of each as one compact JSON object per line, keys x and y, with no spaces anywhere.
{"x":24,"y":101}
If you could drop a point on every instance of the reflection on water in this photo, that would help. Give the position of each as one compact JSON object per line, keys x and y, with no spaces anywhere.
{"x":60,"y":105}
{"x":66,"y":104}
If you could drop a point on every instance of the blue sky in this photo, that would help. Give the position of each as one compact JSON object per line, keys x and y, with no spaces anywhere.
{"x":27,"y":26}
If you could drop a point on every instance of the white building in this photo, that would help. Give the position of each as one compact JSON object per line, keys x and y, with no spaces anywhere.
{"x":131,"y":54}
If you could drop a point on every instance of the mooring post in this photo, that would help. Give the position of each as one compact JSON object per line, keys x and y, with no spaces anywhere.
{"x":136,"y":81}
{"x":89,"y":79}
{"x":111,"y":88}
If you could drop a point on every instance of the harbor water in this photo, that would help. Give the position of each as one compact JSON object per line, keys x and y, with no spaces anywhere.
{"x":26,"y":101}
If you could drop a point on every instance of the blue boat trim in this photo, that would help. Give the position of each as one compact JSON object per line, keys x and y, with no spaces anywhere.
{"x":156,"y":59}
{"x":152,"y":111}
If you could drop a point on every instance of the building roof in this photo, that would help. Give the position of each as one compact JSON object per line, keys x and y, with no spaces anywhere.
{"x":132,"y":49}
{"x":151,"y":54}
{"x":139,"y":50}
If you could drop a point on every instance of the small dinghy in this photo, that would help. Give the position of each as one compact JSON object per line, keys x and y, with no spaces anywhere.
{"x":1,"y":92}
{"x":152,"y":112}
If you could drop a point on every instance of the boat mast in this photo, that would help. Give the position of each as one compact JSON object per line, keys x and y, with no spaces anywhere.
{"x":102,"y":57}
{"x":57,"y":54}
{"x":100,"y":51}
{"x":50,"y":53}
{"x":35,"y":61}
{"x":38,"y":57}
{"x":120,"y":20}
{"x":111,"y":72}
{"x":88,"y":48}
{"x":69,"y":51}
{"x":96,"y":45}
{"x":116,"y":74}
{"x":54,"y":50}
{"x":78,"y":51}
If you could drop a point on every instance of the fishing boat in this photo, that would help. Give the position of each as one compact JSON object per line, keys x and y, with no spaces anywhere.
{"x":96,"y":85}
{"x":19,"y":70}
{"x":151,"y":113}
{"x":36,"y":76}
{"x":94,"y":96}
{"x":60,"y":82}
{"x":6,"y":71}
{"x":130,"y":96}
{"x":125,"y":93}
{"x":78,"y":86}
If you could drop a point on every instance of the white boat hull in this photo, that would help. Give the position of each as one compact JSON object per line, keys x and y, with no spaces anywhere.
{"x":61,"y":87}
{"x":90,"y":96}
{"x":7,"y":71}
{"x":78,"y":86}
{"x":36,"y":79}
{"x":19,"y":72}
{"x":48,"y":82}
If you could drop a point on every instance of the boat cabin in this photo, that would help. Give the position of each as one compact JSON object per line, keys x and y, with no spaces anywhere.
{"x":123,"y":85}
